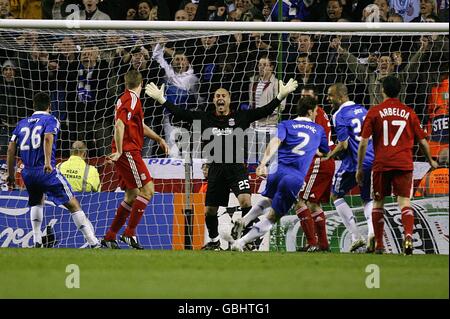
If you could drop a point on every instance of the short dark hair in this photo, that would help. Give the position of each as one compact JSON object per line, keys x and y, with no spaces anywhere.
{"x":41,"y":101}
{"x":391,"y":86}
{"x":305,"y":104}
{"x":310,"y":87}
{"x":132,"y":79}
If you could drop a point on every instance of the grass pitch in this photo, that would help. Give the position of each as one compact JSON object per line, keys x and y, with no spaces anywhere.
{"x":41,"y":273}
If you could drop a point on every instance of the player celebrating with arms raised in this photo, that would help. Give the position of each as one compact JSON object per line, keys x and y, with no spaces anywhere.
{"x":297,"y":142}
{"x":135,"y":179}
{"x":36,"y":137}
{"x":393,"y":127}
{"x":226,"y":169}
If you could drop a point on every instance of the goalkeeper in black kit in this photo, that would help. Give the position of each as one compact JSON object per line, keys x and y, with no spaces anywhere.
{"x":226,"y":165}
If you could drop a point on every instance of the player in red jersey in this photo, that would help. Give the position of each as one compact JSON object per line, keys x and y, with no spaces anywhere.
{"x":134,"y":176}
{"x":316,"y":189}
{"x":394,"y":127}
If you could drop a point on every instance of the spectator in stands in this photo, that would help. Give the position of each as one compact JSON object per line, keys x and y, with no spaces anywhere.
{"x":384,"y":9}
{"x":407,"y":9}
{"x":191,"y":9}
{"x":295,"y":9}
{"x":395,"y":17}
{"x":26,"y":9}
{"x":80,"y":175}
{"x":153,"y":16}
{"x":437,"y":114}
{"x":144,"y":10}
{"x":385,"y":67}
{"x":90,"y":12}
{"x":427,"y":7}
{"x":334,"y":11}
{"x":182,"y":87}
{"x":13,"y":102}
{"x":263,"y":89}
{"x":181,"y":15}
{"x":435,"y":182}
{"x":5,"y":10}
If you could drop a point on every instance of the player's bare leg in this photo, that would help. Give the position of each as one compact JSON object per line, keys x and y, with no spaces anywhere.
{"x":408,"y":223}
{"x":212,"y":223}
{"x":140,"y":203}
{"x":82,"y":222}
{"x":377,"y":245}
{"x":36,"y":216}
{"x":307,"y":223}
{"x":258,"y":230}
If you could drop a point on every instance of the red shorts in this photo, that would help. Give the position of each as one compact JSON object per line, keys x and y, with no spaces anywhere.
{"x":132,"y":171}
{"x":317,"y":186}
{"x":395,"y":181}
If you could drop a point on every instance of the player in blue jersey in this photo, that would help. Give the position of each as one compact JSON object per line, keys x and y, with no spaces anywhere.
{"x":348,"y":121}
{"x":297,"y":142}
{"x":36,"y":137}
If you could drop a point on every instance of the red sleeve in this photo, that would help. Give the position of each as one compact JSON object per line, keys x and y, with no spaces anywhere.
{"x":367,"y":129}
{"x":419,"y":133}
{"x":122,"y":109}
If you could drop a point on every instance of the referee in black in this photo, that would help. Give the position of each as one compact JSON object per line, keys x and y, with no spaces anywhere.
{"x":224,"y":174}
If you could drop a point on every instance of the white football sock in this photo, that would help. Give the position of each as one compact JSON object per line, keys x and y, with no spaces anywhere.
{"x":368,"y":206}
{"x":36,"y":216}
{"x":256,"y":211}
{"x":83,"y":224}
{"x":258,"y":230}
{"x":346,"y":214}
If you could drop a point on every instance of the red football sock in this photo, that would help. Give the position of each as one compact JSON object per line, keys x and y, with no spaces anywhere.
{"x":307,"y":224}
{"x":321,"y":229}
{"x":378,"y":226}
{"x":137,"y":211}
{"x":408,"y":220}
{"x":122,"y":213}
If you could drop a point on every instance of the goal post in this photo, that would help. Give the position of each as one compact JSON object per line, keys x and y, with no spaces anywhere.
{"x":82,"y":64}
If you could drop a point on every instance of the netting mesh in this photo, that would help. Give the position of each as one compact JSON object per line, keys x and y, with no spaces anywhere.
{"x":84,"y":73}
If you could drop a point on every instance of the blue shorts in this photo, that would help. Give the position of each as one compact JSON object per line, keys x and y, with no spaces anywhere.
{"x":283,"y":188}
{"x":39,"y":183}
{"x":344,"y":182}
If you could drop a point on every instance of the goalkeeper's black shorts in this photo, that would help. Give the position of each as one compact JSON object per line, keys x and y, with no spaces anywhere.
{"x":225,"y":177}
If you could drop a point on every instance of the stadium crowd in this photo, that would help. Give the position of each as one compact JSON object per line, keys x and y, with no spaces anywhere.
{"x":85,"y":77}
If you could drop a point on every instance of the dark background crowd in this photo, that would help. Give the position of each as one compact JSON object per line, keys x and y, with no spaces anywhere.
{"x":85,"y":77}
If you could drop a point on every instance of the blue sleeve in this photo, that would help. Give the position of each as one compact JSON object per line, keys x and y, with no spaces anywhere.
{"x":340,"y":129}
{"x":281,"y":131}
{"x":15,"y":133}
{"x":52,"y":126}
{"x":323,"y":147}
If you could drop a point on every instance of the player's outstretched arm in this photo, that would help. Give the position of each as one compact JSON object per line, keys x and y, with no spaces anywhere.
{"x":11,"y":157}
{"x":341,"y":146}
{"x":423,"y":144}
{"x":361,"y":155}
{"x":157,"y":94}
{"x":48,"y":146}
{"x":148,"y":132}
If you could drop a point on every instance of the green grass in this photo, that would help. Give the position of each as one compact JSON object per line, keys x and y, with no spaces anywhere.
{"x":41,"y":273}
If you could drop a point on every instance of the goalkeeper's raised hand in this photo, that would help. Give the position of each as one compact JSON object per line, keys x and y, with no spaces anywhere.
{"x":287,"y":88}
{"x":155,"y":93}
